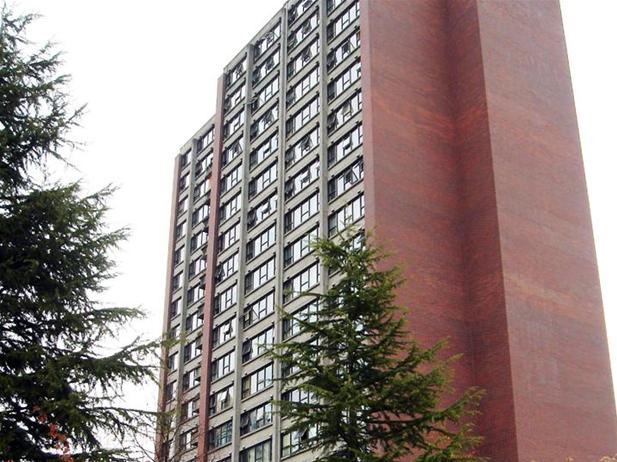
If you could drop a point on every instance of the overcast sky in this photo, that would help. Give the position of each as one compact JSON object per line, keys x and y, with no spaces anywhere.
{"x":148,"y":70}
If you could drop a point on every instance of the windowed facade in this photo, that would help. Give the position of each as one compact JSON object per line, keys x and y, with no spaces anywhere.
{"x":296,"y":441}
{"x":292,"y":327}
{"x":286,"y":157}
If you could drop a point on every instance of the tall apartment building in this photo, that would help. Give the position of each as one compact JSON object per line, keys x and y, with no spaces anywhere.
{"x":448,"y":129}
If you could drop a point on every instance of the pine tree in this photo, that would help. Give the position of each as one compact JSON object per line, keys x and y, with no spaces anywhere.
{"x":364,"y":391}
{"x":58,"y":384}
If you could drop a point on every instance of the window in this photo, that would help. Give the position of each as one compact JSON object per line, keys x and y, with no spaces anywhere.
{"x":258,"y":310}
{"x":264,"y":95}
{"x":173,"y":332}
{"x":301,"y":282}
{"x":174,"y":308}
{"x":258,"y":245}
{"x":192,"y":350}
{"x":261,"y":452}
{"x":226,"y":299}
{"x":233,"y":125}
{"x":264,"y":122}
{"x":259,"y":276}
{"x":183,"y":182}
{"x":220,"y":436}
{"x":349,"y":214}
{"x":299,"y":396}
{"x":292,"y":327}
{"x":182,"y":205}
{"x":233,"y":99}
{"x":345,"y":111}
{"x":301,"y":213}
{"x":341,"y":148}
{"x":223,"y":366}
{"x":177,"y":280}
{"x":172,"y":362}
{"x":296,"y":10}
{"x":257,"y":345}
{"x":302,"y":179}
{"x":229,"y":237}
{"x":201,"y":189}
{"x":205,"y":139}
{"x":302,"y":32}
{"x":198,"y":240}
{"x":346,"y":179}
{"x":336,"y":56}
{"x":200,"y":215}
{"x":191,"y":379}
{"x":261,"y":71}
{"x":303,"y":58}
{"x":221,"y":400}
{"x":179,"y":255}
{"x":333,"y":4}
{"x":257,"y":381}
{"x":171,"y":390}
{"x":344,"y":81}
{"x":231,"y":207}
{"x":236,"y":72}
{"x":231,"y":179}
{"x":343,"y":21}
{"x":255,"y":418}
{"x":262,"y":211}
{"x":300,"y":247}
{"x":232,"y":151}
{"x":303,"y":86}
{"x":297,"y":440}
{"x":193,"y":321}
{"x":264,"y":150}
{"x":223,"y":332}
{"x":190,"y":409}
{"x":303,"y":116}
{"x":197,"y":266}
{"x":265,"y":179}
{"x":188,"y":440}
{"x":302,"y":148}
{"x":204,"y":164}
{"x":185,"y":159}
{"x":181,"y":230}
{"x":267,"y":40}
{"x":195,"y":293}
{"x":226,"y":268}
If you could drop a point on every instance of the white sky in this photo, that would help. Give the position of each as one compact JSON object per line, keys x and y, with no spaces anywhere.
{"x":148,"y":71}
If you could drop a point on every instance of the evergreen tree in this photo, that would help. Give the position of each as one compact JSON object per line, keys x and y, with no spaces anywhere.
{"x":365,"y":391}
{"x":58,"y":384}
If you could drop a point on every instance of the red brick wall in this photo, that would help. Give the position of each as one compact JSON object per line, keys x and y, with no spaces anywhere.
{"x":474,"y":176}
